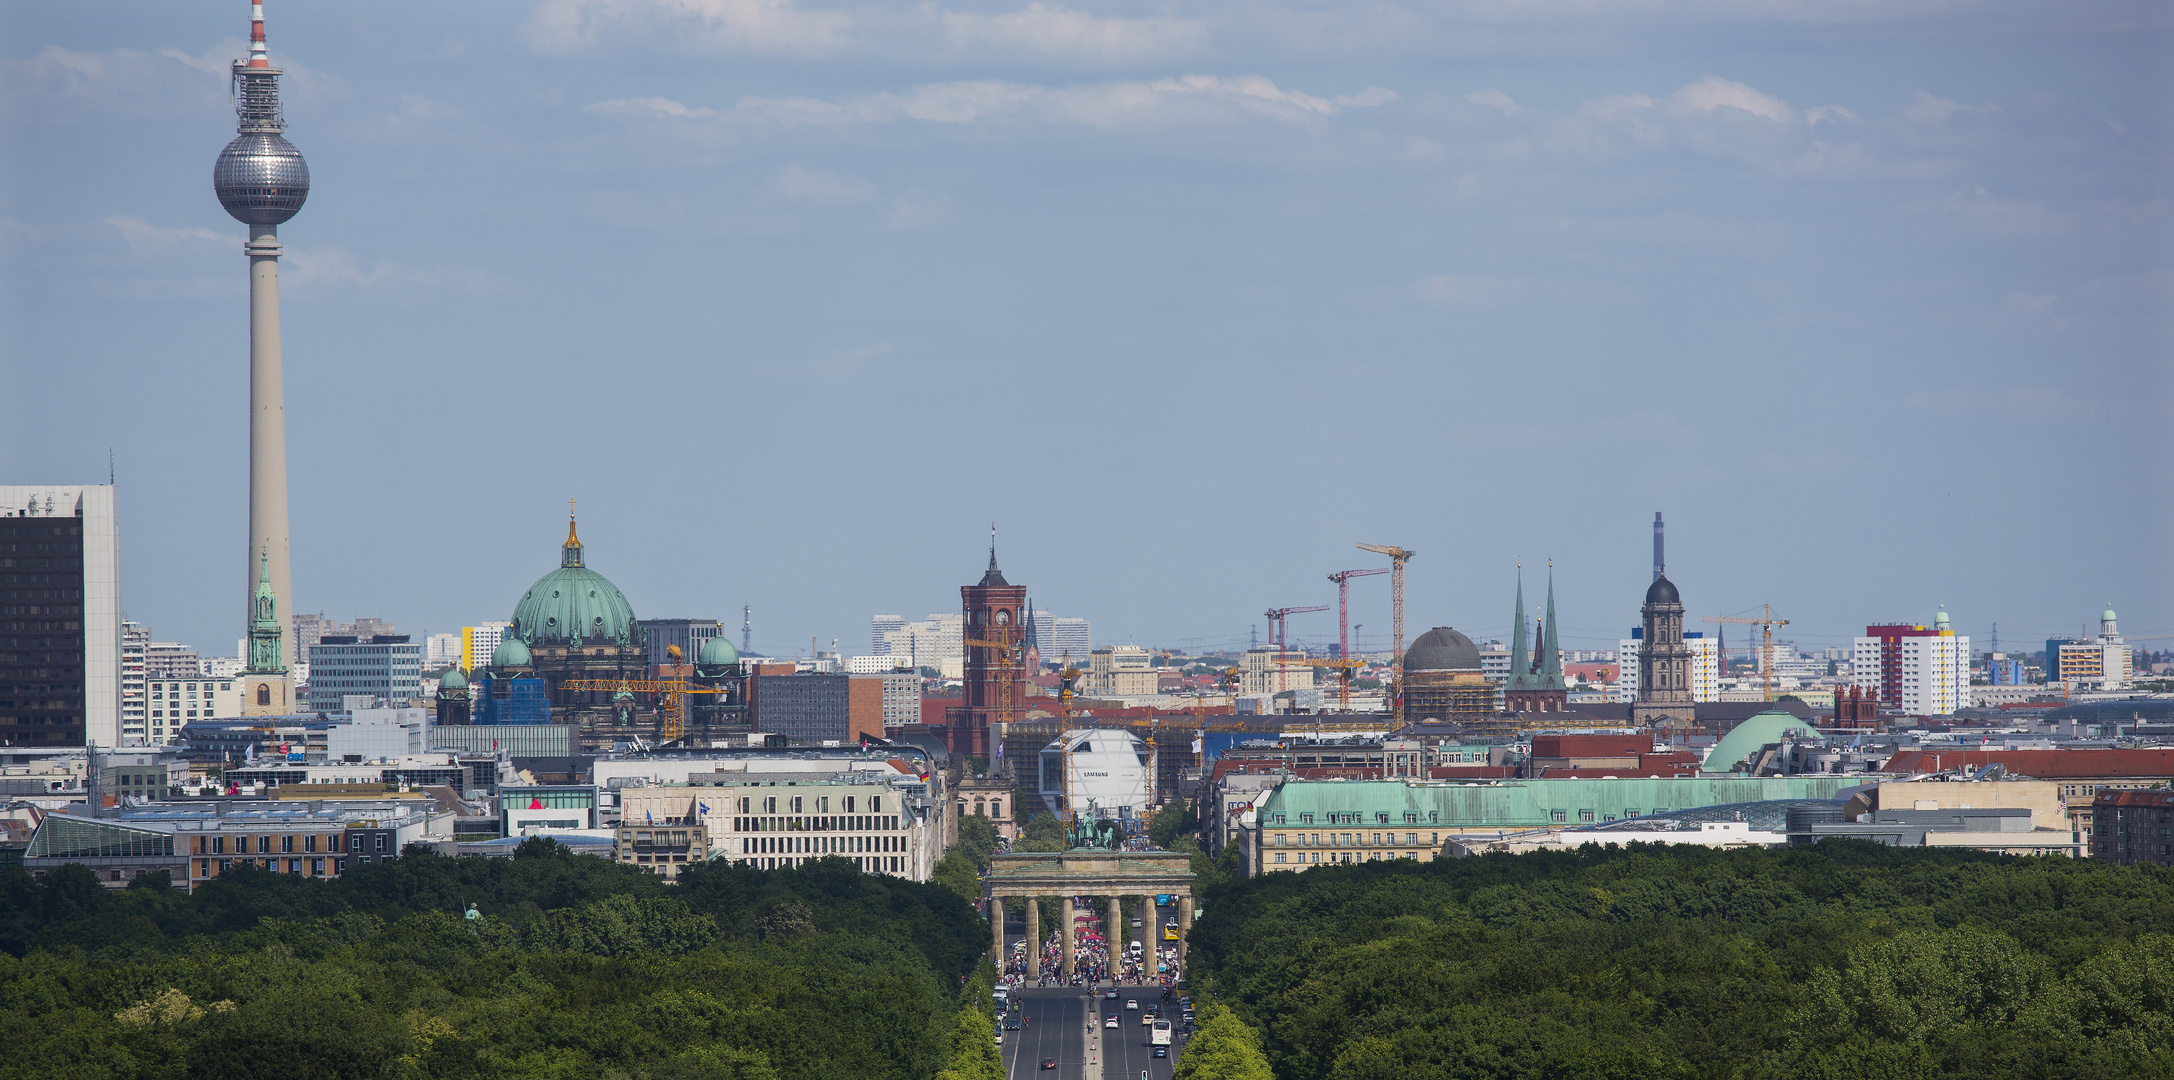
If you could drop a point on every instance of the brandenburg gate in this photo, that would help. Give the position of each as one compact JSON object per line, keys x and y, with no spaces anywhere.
{"x":1088,"y":871}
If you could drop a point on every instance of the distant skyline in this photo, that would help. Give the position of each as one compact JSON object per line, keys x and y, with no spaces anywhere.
{"x":1872,"y":300}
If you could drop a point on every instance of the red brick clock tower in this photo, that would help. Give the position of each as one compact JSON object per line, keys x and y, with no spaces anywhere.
{"x":996,"y":613}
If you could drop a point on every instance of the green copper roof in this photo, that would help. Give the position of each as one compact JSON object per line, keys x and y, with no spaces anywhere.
{"x":510,"y":653}
{"x":1746,"y":738}
{"x":452,"y":680}
{"x":1521,"y":804}
{"x":717,"y":652}
{"x":574,"y":605}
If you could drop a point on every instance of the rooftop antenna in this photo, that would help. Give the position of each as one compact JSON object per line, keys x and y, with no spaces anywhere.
{"x":747,"y":628}
{"x":1660,"y":560}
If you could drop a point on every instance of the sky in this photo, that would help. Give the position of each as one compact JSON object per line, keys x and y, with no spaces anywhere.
{"x":1186,"y":299}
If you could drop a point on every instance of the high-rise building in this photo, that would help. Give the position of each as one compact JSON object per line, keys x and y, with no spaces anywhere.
{"x":688,"y":634}
{"x":1067,"y":635}
{"x":135,"y":637}
{"x":262,"y":181}
{"x":171,"y":660}
{"x":441,"y":651}
{"x":60,"y":616}
{"x":2102,"y":663}
{"x":879,"y":633}
{"x":1920,"y":670}
{"x":936,"y":642}
{"x":478,"y":642}
{"x":176,"y":702}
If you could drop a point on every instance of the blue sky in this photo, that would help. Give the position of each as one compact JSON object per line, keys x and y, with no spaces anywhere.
{"x":1871,"y":299}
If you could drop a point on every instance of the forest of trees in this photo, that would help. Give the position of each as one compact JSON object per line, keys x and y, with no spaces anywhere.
{"x":1848,"y":960}
{"x":576,"y":967}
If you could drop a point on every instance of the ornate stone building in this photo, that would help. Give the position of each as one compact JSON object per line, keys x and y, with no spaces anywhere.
{"x":1443,"y":681}
{"x":1536,"y":679}
{"x":1664,"y":662}
{"x":575,"y":624}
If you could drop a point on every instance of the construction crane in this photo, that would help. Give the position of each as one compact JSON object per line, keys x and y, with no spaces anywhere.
{"x":1277,"y":627}
{"x":1343,"y":668}
{"x":1397,"y":557}
{"x":668,"y":691}
{"x":1766,"y":650}
{"x":1342,"y":578}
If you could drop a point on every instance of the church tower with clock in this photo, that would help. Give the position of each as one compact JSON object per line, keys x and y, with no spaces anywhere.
{"x":996,"y":616}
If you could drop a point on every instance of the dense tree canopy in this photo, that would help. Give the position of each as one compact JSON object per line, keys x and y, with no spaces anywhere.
{"x":1848,"y":960}
{"x":576,"y":967}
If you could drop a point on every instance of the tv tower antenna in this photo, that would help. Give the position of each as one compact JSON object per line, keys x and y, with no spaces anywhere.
{"x":262,"y":181}
{"x":747,"y":628}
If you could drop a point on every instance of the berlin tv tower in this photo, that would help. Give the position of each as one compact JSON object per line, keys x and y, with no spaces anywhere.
{"x":262,"y":180}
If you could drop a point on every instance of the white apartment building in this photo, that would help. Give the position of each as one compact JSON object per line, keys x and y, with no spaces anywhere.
{"x":172,"y":703}
{"x":938,"y":641}
{"x":479,"y":642}
{"x":441,"y":651}
{"x":1705,"y":667}
{"x":1931,"y":675}
{"x":134,"y":638}
{"x":1057,"y":638}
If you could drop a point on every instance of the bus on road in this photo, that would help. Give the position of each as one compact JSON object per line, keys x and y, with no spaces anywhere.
{"x":1159,"y":1035}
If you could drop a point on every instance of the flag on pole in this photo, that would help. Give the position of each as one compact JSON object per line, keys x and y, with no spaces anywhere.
{"x":705,"y":807}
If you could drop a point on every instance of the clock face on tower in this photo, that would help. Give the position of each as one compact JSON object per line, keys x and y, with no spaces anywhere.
{"x":1003,"y":618}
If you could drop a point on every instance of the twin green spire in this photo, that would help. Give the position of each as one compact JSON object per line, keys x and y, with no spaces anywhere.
{"x":1547,"y":672}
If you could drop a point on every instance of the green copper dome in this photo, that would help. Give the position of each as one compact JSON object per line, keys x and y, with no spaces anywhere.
{"x":510,"y":653}
{"x":452,"y":680}
{"x":574,"y":605}
{"x":717,"y":652}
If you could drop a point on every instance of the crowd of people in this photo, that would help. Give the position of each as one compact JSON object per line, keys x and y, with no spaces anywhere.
{"x":1091,"y":956}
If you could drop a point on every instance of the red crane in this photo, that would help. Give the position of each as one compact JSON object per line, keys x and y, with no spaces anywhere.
{"x":1342,"y":578}
{"x":1276,"y":625}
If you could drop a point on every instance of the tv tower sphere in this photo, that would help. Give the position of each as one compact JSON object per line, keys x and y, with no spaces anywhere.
{"x":261,"y":178}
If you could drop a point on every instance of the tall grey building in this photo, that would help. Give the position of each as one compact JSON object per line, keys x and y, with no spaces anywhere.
{"x":879,"y":633}
{"x":689,"y":634}
{"x":60,"y":616}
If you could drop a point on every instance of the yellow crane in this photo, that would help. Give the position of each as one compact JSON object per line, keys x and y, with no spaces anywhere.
{"x":1002,"y":640}
{"x":668,"y":691}
{"x":1767,"y":623}
{"x":1344,"y":670}
{"x":1397,"y":557}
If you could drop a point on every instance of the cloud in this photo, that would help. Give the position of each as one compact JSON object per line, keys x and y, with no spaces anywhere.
{"x":1828,"y":112}
{"x":775,"y":26}
{"x":818,"y":187}
{"x":338,"y":268}
{"x":2015,"y":216}
{"x":1714,"y":92}
{"x":649,"y":106}
{"x":1189,"y":98}
{"x":1927,"y":109}
{"x":142,"y":236}
{"x":1610,"y":108}
{"x":1495,"y":99}
{"x":1049,"y":29}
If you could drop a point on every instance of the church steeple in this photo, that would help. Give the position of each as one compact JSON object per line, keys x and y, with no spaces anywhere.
{"x":265,"y":656}
{"x":1520,"y":667}
{"x":1551,"y":652}
{"x":570,"y":552}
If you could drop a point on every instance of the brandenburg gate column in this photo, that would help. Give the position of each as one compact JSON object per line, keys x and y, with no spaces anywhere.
{"x":1115,"y":939}
{"x":1185,"y":925}
{"x":1034,"y":938}
{"x":996,"y":925}
{"x":1069,"y":944}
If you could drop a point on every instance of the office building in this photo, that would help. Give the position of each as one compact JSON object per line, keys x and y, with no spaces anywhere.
{"x":901,"y":699}
{"x":1129,"y":671}
{"x":818,"y":707}
{"x":196,"y":843}
{"x":935,"y":642}
{"x":688,"y":635}
{"x":1055,"y":638}
{"x":386,"y":668}
{"x":60,"y":616}
{"x":2133,"y":827}
{"x":2102,"y":663}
